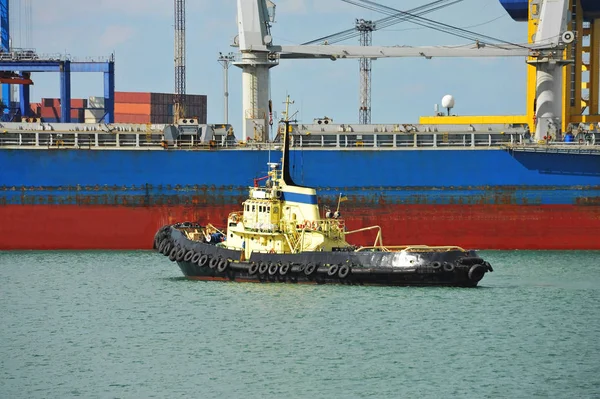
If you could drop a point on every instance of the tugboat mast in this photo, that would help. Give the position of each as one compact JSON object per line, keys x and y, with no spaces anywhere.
{"x":285,"y":167}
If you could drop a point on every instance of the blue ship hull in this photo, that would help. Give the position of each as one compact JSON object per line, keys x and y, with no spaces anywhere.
{"x":428,"y":194}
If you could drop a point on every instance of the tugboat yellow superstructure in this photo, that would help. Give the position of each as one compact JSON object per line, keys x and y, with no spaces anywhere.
{"x":281,"y":235}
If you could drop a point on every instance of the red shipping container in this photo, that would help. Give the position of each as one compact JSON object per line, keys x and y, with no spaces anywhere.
{"x":132,"y":108}
{"x":78,"y":103}
{"x":51,"y":102}
{"x":76,"y":115}
{"x":50,"y":112}
{"x":132,"y":97}
{"x":35,"y":109}
{"x":132,"y":118}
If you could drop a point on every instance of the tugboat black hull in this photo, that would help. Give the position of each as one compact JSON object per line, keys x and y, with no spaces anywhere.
{"x":209,"y":262}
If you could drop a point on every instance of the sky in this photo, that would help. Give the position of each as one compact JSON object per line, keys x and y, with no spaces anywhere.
{"x":140,"y":34}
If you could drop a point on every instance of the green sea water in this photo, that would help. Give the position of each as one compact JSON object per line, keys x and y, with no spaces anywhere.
{"x":127,"y":325}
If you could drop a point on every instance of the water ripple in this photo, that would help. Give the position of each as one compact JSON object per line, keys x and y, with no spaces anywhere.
{"x":126,"y":324}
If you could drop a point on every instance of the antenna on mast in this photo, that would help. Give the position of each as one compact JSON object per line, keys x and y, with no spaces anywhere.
{"x":286,"y":113}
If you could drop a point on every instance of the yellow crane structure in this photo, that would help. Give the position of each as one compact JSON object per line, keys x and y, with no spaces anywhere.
{"x":580,"y":62}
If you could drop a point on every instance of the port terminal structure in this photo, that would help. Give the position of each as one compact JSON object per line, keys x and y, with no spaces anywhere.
{"x":26,"y":61}
{"x":561,"y":60}
{"x":579,"y":92}
{"x":580,"y":61}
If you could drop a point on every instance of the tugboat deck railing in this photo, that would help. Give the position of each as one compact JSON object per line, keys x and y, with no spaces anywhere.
{"x":411,"y":248}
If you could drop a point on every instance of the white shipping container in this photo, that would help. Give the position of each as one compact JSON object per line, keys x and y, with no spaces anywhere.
{"x":93,"y":115}
{"x":96,"y":102}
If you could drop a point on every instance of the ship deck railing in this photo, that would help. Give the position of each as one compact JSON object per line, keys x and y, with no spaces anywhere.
{"x":102,"y":140}
{"x":151,"y":137}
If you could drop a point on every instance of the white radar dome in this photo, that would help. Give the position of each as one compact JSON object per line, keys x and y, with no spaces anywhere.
{"x":448,"y":101}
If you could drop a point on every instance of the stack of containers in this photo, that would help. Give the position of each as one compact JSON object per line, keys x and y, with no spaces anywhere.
{"x":195,"y":107}
{"x":78,"y":106}
{"x":158,"y":108}
{"x":131,"y":107}
{"x":50,"y":110}
{"x":161,"y":107}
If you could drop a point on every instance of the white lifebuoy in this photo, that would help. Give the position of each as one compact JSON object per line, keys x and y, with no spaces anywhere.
{"x":568,"y":37}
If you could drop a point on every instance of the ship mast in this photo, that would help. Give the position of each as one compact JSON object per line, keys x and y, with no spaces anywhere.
{"x":285,"y":165}
{"x":287,"y":103}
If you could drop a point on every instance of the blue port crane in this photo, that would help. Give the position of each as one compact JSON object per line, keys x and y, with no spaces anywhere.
{"x":16,"y":66}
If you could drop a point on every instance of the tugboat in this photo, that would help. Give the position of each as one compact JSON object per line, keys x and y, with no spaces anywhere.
{"x":280,"y":236}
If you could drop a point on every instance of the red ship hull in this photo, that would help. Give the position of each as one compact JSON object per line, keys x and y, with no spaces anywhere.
{"x":50,"y":227}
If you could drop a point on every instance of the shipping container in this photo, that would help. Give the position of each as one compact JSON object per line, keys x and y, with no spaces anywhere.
{"x":35,"y":109}
{"x":50,"y":102}
{"x":50,"y":112}
{"x":78,"y":103}
{"x":132,"y":97}
{"x":96,"y":102}
{"x":132,"y":108}
{"x":132,"y":118}
{"x":93,"y":115}
{"x":76,"y":115}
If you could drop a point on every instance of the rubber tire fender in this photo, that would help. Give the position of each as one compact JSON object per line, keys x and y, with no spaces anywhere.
{"x":173,"y":254}
{"x":188,"y":256}
{"x":195,"y":258}
{"x":273,"y":267}
{"x":180,"y":255}
{"x":253,"y":269}
{"x":436,"y":265}
{"x":213,"y":262}
{"x":333,"y":269}
{"x":310,"y":268}
{"x":223,"y":265}
{"x":162,"y":245}
{"x":167,"y":249}
{"x":476,"y":272}
{"x":344,"y":271}
{"x":203,"y":260}
{"x":448,"y":267}
{"x":263,"y":267}
{"x":284,"y":269}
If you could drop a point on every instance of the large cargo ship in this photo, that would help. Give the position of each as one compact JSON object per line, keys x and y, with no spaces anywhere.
{"x":480,"y":182}
{"x":99,"y":190}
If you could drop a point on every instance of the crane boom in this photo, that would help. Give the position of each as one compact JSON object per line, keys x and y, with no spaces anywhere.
{"x":337,"y":51}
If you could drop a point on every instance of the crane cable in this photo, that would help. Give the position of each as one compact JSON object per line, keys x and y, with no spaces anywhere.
{"x":432,"y":24}
{"x":385,"y":22}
